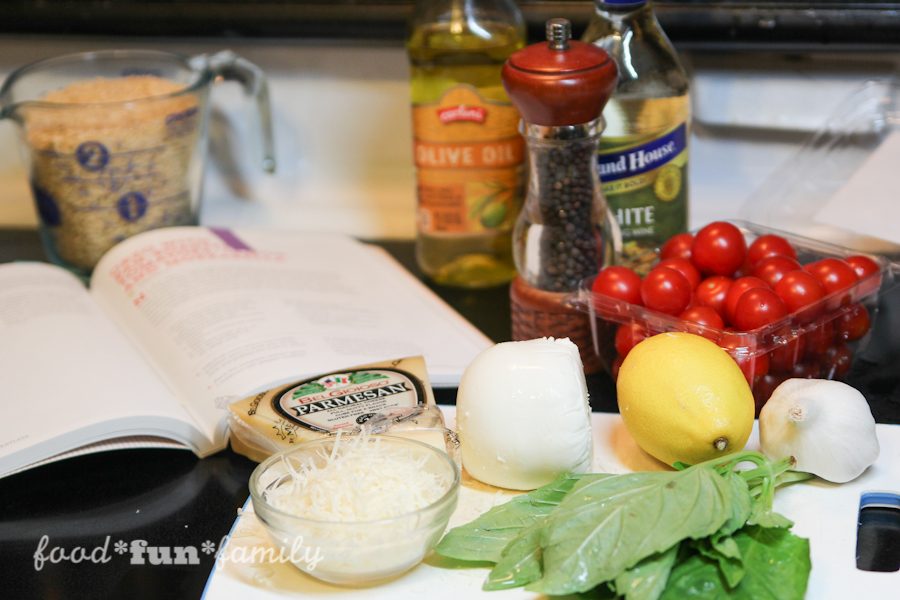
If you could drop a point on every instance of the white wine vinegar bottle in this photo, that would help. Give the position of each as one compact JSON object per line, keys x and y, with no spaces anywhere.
{"x":643,"y":154}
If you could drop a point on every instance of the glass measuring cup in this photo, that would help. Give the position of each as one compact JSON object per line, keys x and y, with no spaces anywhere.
{"x":116,"y":142}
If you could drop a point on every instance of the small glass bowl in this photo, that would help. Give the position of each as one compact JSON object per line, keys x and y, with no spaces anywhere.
{"x":360,"y":552}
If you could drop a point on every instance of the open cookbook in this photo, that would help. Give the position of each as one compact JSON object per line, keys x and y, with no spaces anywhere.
{"x":178,"y":323}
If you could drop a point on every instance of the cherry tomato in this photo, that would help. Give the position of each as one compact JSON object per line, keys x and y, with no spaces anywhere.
{"x":677,"y":246}
{"x":736,"y":290}
{"x":711,"y":292}
{"x":666,"y":290}
{"x":769,"y":245}
{"x":865,"y":268}
{"x":863,"y":265}
{"x":718,"y":249}
{"x":834,"y":275}
{"x":618,"y":282}
{"x":764,"y":387}
{"x":616,"y":365}
{"x":853,"y":324}
{"x":836,"y":361}
{"x":819,"y":340}
{"x":683,"y":266}
{"x":742,"y":348}
{"x":783,"y":359}
{"x":758,"y":307}
{"x":801,"y":293}
{"x":806,"y":370}
{"x":772,"y":268}
{"x":628,"y":335}
{"x":704,"y":316}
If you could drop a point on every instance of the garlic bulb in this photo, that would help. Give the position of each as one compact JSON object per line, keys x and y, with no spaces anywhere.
{"x":827,"y":426}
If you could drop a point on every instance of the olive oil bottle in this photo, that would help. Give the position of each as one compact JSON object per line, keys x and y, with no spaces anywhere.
{"x":643,"y":154}
{"x":468,"y":153}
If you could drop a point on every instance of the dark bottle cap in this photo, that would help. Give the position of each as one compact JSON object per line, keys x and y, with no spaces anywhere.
{"x":560,"y":82}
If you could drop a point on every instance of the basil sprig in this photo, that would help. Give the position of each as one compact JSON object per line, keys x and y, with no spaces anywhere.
{"x":706,"y":530}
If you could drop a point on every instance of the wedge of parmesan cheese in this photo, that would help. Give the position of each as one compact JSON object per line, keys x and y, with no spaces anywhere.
{"x":391,"y":397}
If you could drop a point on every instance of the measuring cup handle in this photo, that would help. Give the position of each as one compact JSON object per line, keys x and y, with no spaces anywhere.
{"x":231,"y":67}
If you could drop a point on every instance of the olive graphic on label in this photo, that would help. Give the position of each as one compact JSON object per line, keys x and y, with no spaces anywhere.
{"x":493,"y":214}
{"x":668,"y":183}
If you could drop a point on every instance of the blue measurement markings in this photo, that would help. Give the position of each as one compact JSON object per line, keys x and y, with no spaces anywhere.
{"x":47,"y":207}
{"x":132,"y":206}
{"x":113,"y":172}
{"x":182,"y":123}
{"x":92,"y":156}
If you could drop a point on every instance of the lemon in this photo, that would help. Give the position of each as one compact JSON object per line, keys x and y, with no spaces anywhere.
{"x":683,"y":398}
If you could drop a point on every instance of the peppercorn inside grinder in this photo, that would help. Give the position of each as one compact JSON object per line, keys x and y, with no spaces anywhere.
{"x":565,"y":232}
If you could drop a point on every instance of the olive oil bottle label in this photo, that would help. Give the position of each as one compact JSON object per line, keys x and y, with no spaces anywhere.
{"x":645,"y":184}
{"x":469,"y":158}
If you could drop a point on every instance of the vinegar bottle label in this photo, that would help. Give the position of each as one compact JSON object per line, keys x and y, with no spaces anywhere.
{"x":469,"y":156}
{"x":645,"y":183}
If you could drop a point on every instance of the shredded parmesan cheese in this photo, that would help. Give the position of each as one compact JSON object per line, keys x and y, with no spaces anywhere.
{"x":361,"y":479}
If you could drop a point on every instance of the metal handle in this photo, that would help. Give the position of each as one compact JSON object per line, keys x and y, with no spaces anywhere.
{"x":231,"y":67}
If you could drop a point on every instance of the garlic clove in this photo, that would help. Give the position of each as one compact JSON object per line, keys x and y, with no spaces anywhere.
{"x":826,"y":426}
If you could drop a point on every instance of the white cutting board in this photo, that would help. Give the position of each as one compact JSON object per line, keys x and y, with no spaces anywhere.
{"x":823,"y":512}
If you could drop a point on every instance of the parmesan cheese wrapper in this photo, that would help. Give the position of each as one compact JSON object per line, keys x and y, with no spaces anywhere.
{"x":392,"y":397}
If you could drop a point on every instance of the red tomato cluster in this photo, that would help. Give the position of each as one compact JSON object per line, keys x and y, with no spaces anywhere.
{"x":722,"y":288}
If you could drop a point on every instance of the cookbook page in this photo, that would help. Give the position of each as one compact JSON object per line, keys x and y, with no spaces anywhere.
{"x":225,"y":314}
{"x":69,"y":377}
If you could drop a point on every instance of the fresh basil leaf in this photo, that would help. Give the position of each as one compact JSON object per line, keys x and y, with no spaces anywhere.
{"x":763,"y":495}
{"x":725,"y":552}
{"x":764,"y":516}
{"x":611,"y":524}
{"x":789,"y":477}
{"x":720,"y":546}
{"x":725,"y":546}
{"x":647,"y":579}
{"x":776,"y":567}
{"x":741,"y":505}
{"x":485,"y":538}
{"x":520,"y":563}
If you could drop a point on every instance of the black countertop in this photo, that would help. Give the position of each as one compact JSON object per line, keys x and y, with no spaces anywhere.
{"x":170,"y":498}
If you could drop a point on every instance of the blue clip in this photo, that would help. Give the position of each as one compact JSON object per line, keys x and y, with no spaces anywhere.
{"x":879,"y":500}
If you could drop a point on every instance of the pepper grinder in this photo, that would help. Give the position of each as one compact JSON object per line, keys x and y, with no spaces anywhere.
{"x":564,"y":233}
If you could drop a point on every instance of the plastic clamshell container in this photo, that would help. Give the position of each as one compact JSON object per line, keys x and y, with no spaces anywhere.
{"x":795,"y":346}
{"x":792,"y":196}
